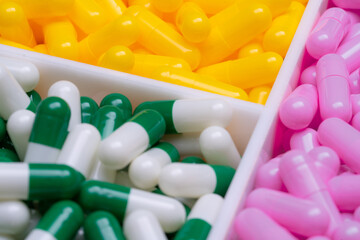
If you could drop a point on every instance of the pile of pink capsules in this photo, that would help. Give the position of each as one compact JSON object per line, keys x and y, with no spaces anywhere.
{"x":312,"y":191}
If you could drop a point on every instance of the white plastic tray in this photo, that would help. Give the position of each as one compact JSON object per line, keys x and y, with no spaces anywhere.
{"x":249,"y":120}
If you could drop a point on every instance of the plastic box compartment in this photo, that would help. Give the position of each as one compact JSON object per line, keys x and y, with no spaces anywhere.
{"x":252,"y":126}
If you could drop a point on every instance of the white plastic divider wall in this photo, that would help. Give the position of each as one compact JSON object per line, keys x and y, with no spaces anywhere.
{"x":252,"y":126}
{"x":261,"y":142}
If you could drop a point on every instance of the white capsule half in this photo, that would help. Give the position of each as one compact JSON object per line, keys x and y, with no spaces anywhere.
{"x":39,"y":153}
{"x":70,"y":93}
{"x":187,"y":180}
{"x":142,"y":224}
{"x":25,"y":73}
{"x":145,"y":169}
{"x":123,"y":145}
{"x":218,"y":147}
{"x":170,"y":212}
{"x":80,"y":148}
{"x":19,"y":128}
{"x":186,"y":143}
{"x":12,"y":96}
{"x":207,"y":208}
{"x":102,"y":173}
{"x":15,"y":217}
{"x":14,"y":179}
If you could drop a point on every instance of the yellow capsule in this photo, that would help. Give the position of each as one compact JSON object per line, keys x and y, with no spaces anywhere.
{"x":146,"y":63}
{"x":304,"y":2}
{"x":193,"y":22}
{"x":141,"y":51}
{"x":247,"y":72}
{"x":259,"y":94}
{"x":88,"y":15}
{"x":61,"y":40}
{"x":148,"y":5}
{"x":160,"y":38}
{"x":118,"y":58}
{"x":41,"y":48}
{"x":276,"y":7}
{"x":123,"y":30}
{"x":167,"y":6}
{"x":114,"y":8}
{"x":13,"y":24}
{"x":234,"y":31}
{"x":37,"y":31}
{"x":14,"y":44}
{"x":193,"y":80}
{"x":213,"y":6}
{"x":45,"y":8}
{"x":250,"y":49}
{"x":282,"y":30}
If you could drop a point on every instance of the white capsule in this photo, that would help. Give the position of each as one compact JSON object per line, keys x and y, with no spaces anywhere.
{"x":15,"y":217}
{"x":186,"y":143}
{"x":102,"y":173}
{"x":80,"y":148}
{"x":19,"y":128}
{"x":70,"y":93}
{"x":25,"y":73}
{"x":187,"y":180}
{"x":12,"y":96}
{"x":218,"y":147}
{"x":142,"y":224}
{"x":145,"y":169}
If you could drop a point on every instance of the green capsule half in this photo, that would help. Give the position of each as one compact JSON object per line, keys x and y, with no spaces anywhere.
{"x":2,"y":129}
{"x":101,"y":225}
{"x":120,"y":101}
{"x":34,"y":97}
{"x":88,"y":109}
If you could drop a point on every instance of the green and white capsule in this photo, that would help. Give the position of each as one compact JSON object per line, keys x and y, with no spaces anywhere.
{"x":102,"y":225}
{"x":218,"y":147}
{"x":34,"y":181}
{"x":107,"y":119}
{"x":88,"y":109}
{"x":7,"y":155}
{"x":25,"y":73}
{"x":142,"y":224}
{"x":60,"y":222}
{"x":134,"y":137}
{"x":49,"y":131}
{"x":120,"y":101}
{"x":193,"y":159}
{"x":191,"y":115}
{"x":19,"y":128}
{"x":145,"y":169}
{"x":201,"y":218}
{"x":70,"y":93}
{"x":12,"y":96}
{"x":121,"y":201}
{"x":191,"y":180}
{"x":2,"y":129}
{"x":80,"y":148}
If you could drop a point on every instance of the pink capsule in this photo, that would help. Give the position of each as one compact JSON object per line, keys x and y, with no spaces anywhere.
{"x":349,"y":230}
{"x":253,"y":224}
{"x":305,"y":140}
{"x":355,"y":103}
{"x":351,"y":4}
{"x":345,"y":190}
{"x":308,"y":76}
{"x":355,"y":122}
{"x":350,"y":51}
{"x":354,"y":82}
{"x":268,"y":175}
{"x":328,"y":32}
{"x":297,"y":215}
{"x":302,"y":180}
{"x":333,"y":87}
{"x":326,"y":162}
{"x":343,"y":139}
{"x":357,"y":214}
{"x":347,"y":217}
{"x":354,"y":31}
{"x":299,"y":108}
{"x":318,"y":238}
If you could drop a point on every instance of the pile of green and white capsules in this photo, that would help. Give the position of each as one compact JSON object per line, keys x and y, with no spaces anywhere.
{"x":73,"y":169}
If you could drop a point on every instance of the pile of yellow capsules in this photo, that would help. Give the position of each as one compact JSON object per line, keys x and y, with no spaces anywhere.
{"x":229,"y":47}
